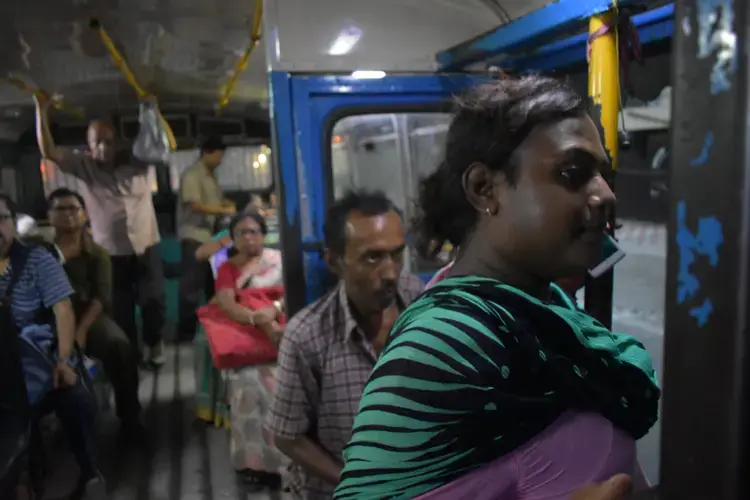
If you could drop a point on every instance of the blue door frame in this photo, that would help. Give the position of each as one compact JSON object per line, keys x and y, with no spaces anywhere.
{"x":304,"y":109}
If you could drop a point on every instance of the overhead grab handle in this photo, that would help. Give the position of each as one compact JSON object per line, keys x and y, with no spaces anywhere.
{"x":241,"y":65}
{"x":120,"y":62}
{"x":42,"y":96}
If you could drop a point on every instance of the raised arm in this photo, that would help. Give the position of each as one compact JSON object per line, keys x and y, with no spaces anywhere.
{"x":64,"y":158}
{"x":43,"y":135}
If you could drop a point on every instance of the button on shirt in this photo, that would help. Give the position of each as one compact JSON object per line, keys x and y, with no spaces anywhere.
{"x":198,"y":185}
{"x":118,"y":201}
{"x":324,"y":362}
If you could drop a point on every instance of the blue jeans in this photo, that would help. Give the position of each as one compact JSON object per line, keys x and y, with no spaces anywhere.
{"x":76,"y":406}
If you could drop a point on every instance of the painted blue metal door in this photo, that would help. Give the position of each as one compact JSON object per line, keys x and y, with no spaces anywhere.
{"x":303,"y":111}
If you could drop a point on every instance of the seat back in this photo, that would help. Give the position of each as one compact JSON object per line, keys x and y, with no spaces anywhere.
{"x":218,"y":259}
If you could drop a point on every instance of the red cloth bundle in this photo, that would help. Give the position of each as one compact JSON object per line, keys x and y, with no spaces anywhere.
{"x":234,"y":345}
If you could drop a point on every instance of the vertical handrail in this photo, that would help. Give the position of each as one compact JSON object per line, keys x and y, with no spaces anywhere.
{"x":604,"y":101}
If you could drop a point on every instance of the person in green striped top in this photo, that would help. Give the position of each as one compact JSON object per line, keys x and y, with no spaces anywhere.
{"x":494,"y":385}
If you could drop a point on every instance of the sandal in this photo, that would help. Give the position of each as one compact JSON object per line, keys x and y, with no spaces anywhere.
{"x":251,"y":481}
{"x":271,"y":480}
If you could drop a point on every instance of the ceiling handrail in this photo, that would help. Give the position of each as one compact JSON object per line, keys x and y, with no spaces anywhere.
{"x":43,"y":96}
{"x":119,"y":61}
{"x":241,"y":65}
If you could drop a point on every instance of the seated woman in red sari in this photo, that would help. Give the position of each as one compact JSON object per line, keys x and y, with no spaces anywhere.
{"x":251,"y":389}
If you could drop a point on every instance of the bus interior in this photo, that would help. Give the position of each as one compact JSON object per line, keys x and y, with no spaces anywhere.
{"x":315,"y":98}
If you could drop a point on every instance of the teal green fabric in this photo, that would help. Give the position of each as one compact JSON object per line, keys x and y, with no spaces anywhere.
{"x":473,"y":370}
{"x":220,"y":235}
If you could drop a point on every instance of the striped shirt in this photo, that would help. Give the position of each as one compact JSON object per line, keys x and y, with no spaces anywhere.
{"x":323,"y":365}
{"x":42,"y":284}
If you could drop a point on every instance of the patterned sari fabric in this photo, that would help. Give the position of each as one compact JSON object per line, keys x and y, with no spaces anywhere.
{"x":475,"y":369}
{"x":251,"y":389}
{"x":211,"y":400}
{"x":251,"y":396}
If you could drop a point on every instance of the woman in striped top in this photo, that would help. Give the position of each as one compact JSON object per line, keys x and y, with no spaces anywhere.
{"x":494,"y":385}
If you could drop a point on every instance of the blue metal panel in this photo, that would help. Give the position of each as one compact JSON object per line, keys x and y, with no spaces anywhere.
{"x":304,"y":109}
{"x":533,"y":29}
{"x":281,"y":114}
{"x":652,"y":26}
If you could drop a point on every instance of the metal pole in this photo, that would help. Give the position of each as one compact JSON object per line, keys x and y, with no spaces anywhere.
{"x":705,"y":441}
{"x":604,"y":101}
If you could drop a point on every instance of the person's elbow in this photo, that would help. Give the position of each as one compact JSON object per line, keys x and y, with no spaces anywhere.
{"x":194,"y":206}
{"x":205,"y":251}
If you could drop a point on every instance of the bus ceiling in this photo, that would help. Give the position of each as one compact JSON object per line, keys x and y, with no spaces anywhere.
{"x":541,"y":40}
{"x":101,"y":57}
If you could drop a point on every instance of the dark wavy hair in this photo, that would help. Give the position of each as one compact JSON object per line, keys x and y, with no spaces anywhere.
{"x":248,"y":213}
{"x":489,"y":124}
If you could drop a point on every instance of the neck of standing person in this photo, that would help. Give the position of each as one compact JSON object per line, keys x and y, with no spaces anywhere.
{"x":477,"y":261}
{"x":376,"y":326}
{"x":70,"y":242}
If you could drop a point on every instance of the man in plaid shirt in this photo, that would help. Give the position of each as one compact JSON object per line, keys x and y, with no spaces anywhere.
{"x":330,"y":347}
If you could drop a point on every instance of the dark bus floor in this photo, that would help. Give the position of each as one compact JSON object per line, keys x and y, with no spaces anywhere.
{"x":185,"y":460}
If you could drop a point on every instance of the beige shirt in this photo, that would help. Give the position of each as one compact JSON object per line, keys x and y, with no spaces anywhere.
{"x":198,"y":184}
{"x":119,"y":202}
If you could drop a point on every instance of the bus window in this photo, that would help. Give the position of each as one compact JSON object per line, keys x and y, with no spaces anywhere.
{"x":245,"y":168}
{"x":388,"y":152}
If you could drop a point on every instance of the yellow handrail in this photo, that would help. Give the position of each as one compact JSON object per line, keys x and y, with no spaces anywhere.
{"x":241,"y":64}
{"x":118,"y":59}
{"x":42,"y":96}
{"x":120,"y":62}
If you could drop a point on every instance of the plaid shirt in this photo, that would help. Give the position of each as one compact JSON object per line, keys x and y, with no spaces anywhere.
{"x":323,"y":365}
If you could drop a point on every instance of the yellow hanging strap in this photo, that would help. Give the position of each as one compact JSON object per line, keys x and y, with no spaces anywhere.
{"x":241,"y":64}
{"x":122,"y":65}
{"x":42,"y":96}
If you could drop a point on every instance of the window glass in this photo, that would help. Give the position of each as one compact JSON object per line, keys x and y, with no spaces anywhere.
{"x":245,"y":168}
{"x":391,"y":153}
